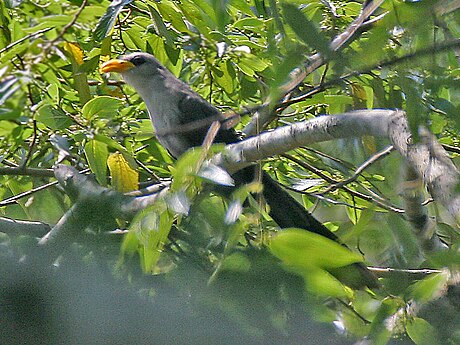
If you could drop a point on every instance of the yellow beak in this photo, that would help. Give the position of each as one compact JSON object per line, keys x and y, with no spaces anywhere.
{"x":116,"y":65}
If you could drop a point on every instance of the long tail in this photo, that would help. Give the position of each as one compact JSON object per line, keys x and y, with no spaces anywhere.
{"x":288,"y":213}
{"x":284,"y":209}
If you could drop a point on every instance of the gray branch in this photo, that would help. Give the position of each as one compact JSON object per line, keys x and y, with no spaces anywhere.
{"x":427,"y":158}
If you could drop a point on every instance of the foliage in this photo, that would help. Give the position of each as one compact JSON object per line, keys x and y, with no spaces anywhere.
{"x":55,"y":107}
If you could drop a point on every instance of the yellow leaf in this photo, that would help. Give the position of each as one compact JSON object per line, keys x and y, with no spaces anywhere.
{"x":124,"y":178}
{"x":75,"y":52}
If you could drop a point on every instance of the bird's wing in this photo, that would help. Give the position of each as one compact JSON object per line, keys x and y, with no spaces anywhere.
{"x":196,"y":114}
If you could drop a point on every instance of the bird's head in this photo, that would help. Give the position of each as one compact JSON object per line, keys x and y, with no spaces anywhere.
{"x":135,"y":63}
{"x":138,"y":69}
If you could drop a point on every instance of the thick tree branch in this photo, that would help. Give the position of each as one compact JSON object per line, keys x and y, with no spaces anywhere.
{"x":94,"y":203}
{"x":427,"y":158}
{"x":22,"y":227}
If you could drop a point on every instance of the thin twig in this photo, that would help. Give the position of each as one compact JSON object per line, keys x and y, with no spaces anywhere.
{"x":13,"y":200}
{"x":317,"y":60}
{"x":414,"y":273}
{"x":69,"y":25}
{"x":366,"y":70}
{"x":328,"y":179}
{"x":360,"y":169}
{"x":353,"y":310}
{"x":25,"y":38}
{"x":31,"y":145}
{"x":19,"y":171}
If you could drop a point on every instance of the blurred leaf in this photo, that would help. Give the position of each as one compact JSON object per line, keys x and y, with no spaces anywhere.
{"x":234,"y":211}
{"x":421,"y":332}
{"x":429,"y":288}
{"x":97,"y":153}
{"x":303,"y":249}
{"x":124,"y":177}
{"x":236,"y":262}
{"x":321,"y":283}
{"x":147,"y":235}
{"x":186,"y":168}
{"x":305,"y":29}
{"x":178,"y":202}
{"x":216,"y":174}
{"x":8,"y":87}
{"x":7,"y":127}
{"x":380,"y":331}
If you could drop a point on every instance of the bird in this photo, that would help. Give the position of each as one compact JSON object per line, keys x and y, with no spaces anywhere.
{"x":172,"y":105}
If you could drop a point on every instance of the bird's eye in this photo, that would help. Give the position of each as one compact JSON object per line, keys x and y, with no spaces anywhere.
{"x":138,"y":60}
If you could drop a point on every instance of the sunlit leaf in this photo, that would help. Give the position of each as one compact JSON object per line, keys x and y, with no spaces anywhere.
{"x":101,"y":106}
{"x":235,"y":208}
{"x":216,"y":174}
{"x":74,"y":51}
{"x":97,"y":153}
{"x":105,"y":25}
{"x":124,"y":177}
{"x":178,"y":202}
{"x":53,"y":117}
{"x":303,"y":249}
{"x":8,"y":87}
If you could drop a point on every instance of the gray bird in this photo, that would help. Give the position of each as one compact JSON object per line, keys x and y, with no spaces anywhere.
{"x":173,"y":106}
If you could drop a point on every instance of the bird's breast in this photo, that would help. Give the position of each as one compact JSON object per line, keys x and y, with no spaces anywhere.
{"x":165,"y":118}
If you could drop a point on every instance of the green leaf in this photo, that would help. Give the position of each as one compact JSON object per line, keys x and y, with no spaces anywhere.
{"x":96,"y":154}
{"x":379,"y":333}
{"x":186,"y":169}
{"x":111,"y":143}
{"x":101,"y":106}
{"x":429,"y":288}
{"x":303,"y":249}
{"x":306,"y":29}
{"x":53,"y":117}
{"x":160,"y":27}
{"x":148,"y":233}
{"x":415,"y":110}
{"x":248,"y":23}
{"x":421,"y":332}
{"x":6,"y":128}
{"x":236,"y":262}
{"x":224,"y":75}
{"x":105,"y":25}
{"x":322,"y":283}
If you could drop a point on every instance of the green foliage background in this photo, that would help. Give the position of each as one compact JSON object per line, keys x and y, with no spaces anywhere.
{"x":55,"y":107}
